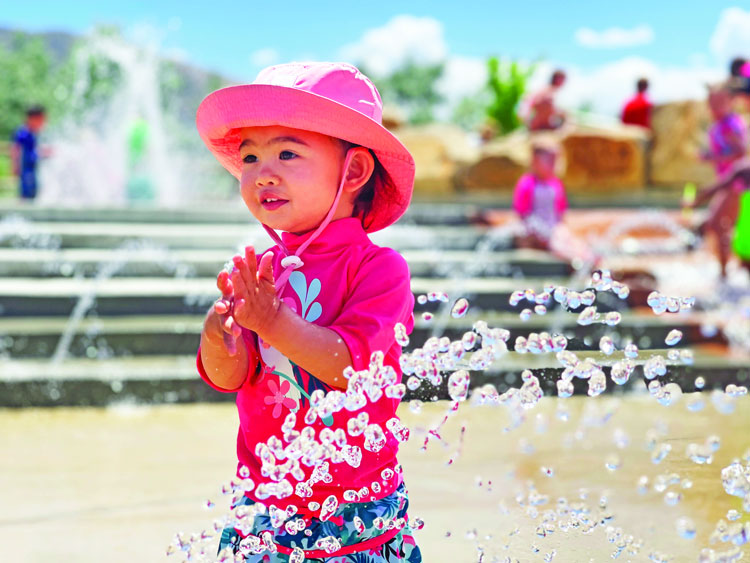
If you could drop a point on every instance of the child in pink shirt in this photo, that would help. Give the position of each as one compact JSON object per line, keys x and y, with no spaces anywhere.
{"x":539,"y":196}
{"x":728,"y":143}
{"x":317,"y":442}
{"x":539,"y":200}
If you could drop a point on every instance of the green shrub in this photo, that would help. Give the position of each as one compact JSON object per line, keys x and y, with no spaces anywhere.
{"x":507,"y":82}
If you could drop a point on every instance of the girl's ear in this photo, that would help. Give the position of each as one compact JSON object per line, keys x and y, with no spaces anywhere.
{"x":361,"y":167}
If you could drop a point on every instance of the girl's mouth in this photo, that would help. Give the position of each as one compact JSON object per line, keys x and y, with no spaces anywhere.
{"x":273,"y":203}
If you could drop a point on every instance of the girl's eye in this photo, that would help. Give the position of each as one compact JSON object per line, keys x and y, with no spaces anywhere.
{"x":249,"y":159}
{"x":287,"y":155}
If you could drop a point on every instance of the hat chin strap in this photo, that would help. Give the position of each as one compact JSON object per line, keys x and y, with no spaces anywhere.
{"x":293,"y":261}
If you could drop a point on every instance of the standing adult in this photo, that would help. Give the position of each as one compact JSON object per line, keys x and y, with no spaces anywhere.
{"x":637,"y":110}
{"x":543,"y":114}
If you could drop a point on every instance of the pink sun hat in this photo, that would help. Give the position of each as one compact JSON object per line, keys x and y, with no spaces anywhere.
{"x":333,"y":99}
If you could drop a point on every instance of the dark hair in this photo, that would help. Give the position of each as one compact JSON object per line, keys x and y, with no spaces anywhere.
{"x":736,"y":65}
{"x":36,"y":109}
{"x":366,"y":195}
{"x":642,"y":85}
{"x":558,"y":74}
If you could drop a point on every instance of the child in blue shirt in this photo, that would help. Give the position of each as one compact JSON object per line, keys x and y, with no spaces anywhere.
{"x":24,"y":153}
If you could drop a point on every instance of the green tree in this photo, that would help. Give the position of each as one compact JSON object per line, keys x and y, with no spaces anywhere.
{"x":507,"y":82}
{"x":24,"y":71}
{"x":413,"y":87}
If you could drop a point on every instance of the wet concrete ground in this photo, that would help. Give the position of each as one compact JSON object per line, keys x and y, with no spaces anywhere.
{"x":91,"y":485}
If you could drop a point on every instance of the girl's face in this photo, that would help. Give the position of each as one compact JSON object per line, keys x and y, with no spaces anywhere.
{"x":290,"y":177}
{"x":720,"y":103}
{"x":543,"y":164}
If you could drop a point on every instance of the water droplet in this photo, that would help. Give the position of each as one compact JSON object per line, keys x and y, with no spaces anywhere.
{"x":540,"y":310}
{"x":685,"y":527}
{"x":458,"y":385}
{"x":402,"y":338}
{"x":422,"y":299}
{"x":700,"y":382}
{"x":673,"y":337}
{"x":460,"y":308}
{"x":525,"y":315}
{"x":427,"y":316}
{"x":660,"y":452}
{"x":587,"y":316}
{"x":613,"y":462}
{"x":415,"y":405}
{"x":612,"y":318}
{"x":606,"y":345}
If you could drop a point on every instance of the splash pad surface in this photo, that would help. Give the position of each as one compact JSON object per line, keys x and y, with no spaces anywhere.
{"x":80,"y":484}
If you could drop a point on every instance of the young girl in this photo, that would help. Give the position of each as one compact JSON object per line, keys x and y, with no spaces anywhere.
{"x":540,"y":201}
{"x":728,"y":143}
{"x":539,"y":197}
{"x":313,"y":160}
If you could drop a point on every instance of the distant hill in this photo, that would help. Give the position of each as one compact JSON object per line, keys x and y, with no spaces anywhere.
{"x":58,"y":43}
{"x":192,"y":84}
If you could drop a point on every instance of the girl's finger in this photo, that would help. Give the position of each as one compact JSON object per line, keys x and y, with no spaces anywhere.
{"x":227,"y":321}
{"x":265,"y":270}
{"x":230,"y":343}
{"x":241,"y":265}
{"x":230,"y":326}
{"x":240,"y":288}
{"x":222,"y":306}
{"x":251,"y":261}
{"x":224,"y":283}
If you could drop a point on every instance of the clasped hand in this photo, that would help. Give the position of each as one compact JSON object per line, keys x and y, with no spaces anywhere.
{"x":249,"y":297}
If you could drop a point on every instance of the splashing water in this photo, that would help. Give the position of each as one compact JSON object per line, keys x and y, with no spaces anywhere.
{"x":307,"y":457}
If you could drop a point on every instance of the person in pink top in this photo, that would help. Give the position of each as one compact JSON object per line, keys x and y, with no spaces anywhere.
{"x":305,"y":332}
{"x":539,"y":200}
{"x":728,"y":143}
{"x":539,"y":197}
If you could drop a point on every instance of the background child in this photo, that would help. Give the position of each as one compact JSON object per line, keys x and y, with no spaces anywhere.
{"x":539,"y":197}
{"x":727,"y":144}
{"x":735,"y":179}
{"x":313,"y":160}
{"x":540,"y":201}
{"x":24,"y":153}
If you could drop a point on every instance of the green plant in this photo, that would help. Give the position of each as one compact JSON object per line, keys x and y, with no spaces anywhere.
{"x":507,"y":82}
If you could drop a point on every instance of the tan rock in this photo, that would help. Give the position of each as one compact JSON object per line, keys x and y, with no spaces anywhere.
{"x":591,"y":158}
{"x":501,"y":163}
{"x":604,"y":158}
{"x":679,"y":130}
{"x":439,"y":149}
{"x":393,"y":117}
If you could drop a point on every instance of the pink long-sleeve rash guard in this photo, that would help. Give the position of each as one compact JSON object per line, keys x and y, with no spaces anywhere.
{"x":360,"y":291}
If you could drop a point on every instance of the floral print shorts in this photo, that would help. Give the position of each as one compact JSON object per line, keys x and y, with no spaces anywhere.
{"x":351,"y":524}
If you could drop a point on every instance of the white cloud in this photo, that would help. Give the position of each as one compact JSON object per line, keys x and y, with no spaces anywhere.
{"x":614,"y":37}
{"x":264,"y":57}
{"x":462,"y":76}
{"x":731,"y":37}
{"x":607,"y":87}
{"x":383,"y":49}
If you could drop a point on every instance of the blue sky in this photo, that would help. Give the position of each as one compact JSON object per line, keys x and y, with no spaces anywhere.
{"x":236,"y":38}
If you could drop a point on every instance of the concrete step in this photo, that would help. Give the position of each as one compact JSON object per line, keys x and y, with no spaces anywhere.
{"x":430,"y":208}
{"x":170,"y":379}
{"x":113,"y":235}
{"x":156,"y":335}
{"x":130,"y":296}
{"x":154,"y":262}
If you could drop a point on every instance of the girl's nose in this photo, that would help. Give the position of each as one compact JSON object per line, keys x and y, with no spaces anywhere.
{"x":266,"y":177}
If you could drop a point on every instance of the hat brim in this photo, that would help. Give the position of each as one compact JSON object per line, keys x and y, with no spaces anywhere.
{"x":257,"y":105}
